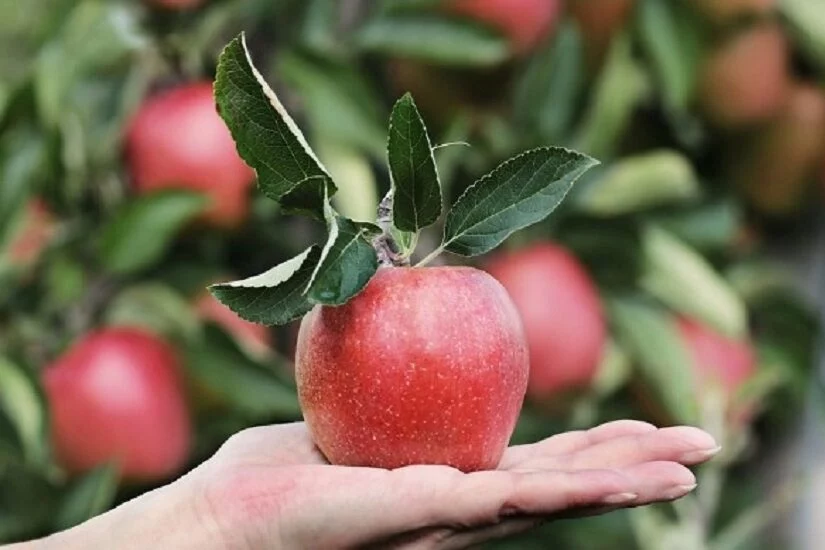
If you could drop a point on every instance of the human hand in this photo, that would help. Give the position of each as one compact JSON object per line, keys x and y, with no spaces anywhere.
{"x":270,"y":488}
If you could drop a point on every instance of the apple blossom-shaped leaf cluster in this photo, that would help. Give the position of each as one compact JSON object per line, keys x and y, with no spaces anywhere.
{"x":519,"y":192}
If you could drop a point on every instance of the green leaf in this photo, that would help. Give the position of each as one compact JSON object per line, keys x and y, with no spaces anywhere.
{"x":434,"y":39}
{"x":276,"y":296}
{"x":653,"y":339}
{"x":156,"y":307}
{"x":145,"y":228}
{"x":266,"y":136}
{"x":417,"y":191}
{"x":550,"y":89}
{"x":340,"y":104}
{"x":681,"y":278}
{"x":621,"y":87}
{"x":708,"y":226}
{"x":91,"y":495}
{"x":347,"y":261}
{"x":357,"y":198}
{"x":519,"y":192}
{"x":23,"y":163}
{"x":254,"y":391}
{"x":652,"y":179}
{"x":806,"y":20}
{"x":25,"y":406}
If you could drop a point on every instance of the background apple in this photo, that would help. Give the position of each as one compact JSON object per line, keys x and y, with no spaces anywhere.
{"x":598,"y":23}
{"x":728,"y":10}
{"x":33,"y":233}
{"x":425,"y":366}
{"x":746,"y":79}
{"x":177,"y":140}
{"x":524,"y":22}
{"x":116,"y":395}
{"x":562,"y":315}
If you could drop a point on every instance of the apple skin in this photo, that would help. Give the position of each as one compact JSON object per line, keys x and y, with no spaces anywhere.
{"x":33,"y":235}
{"x":746,"y":80}
{"x":599,"y":22}
{"x":562,"y":315}
{"x":424,"y":366}
{"x":725,"y":11}
{"x":254,"y":338}
{"x":178,"y":140}
{"x":776,"y":164}
{"x":524,"y":22}
{"x":116,"y":394}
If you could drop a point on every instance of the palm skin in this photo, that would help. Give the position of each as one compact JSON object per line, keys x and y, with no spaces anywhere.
{"x":270,"y":488}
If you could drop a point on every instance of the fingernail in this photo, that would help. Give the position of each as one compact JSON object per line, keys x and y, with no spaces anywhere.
{"x":701,"y":456}
{"x":620,"y":498}
{"x":679,"y":491}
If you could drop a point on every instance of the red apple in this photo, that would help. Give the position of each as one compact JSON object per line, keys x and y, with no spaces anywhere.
{"x":116,"y":396}
{"x":776,"y":164}
{"x":425,"y":366}
{"x":32,"y":234}
{"x":598,"y":23}
{"x":724,"y":11}
{"x":746,"y":80}
{"x":524,"y":22}
{"x":562,"y":315}
{"x":178,"y":140}
{"x":254,"y":338}
{"x":718,"y":361}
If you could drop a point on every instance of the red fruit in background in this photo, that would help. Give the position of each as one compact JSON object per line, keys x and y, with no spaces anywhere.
{"x":116,"y":395}
{"x":599,"y":22}
{"x":562,"y":315}
{"x":425,"y":366}
{"x":723,"y":11}
{"x":178,"y":140}
{"x":524,"y":22}
{"x":746,"y":79}
{"x":254,"y":338}
{"x":33,"y":233}
{"x":776,"y":164}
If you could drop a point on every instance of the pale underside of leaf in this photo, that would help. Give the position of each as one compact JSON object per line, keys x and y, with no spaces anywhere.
{"x":519,"y":192}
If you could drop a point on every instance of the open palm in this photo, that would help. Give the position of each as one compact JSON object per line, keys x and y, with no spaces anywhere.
{"x":269,"y":487}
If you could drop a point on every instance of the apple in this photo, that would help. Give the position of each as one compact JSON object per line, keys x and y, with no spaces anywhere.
{"x":524,"y":22}
{"x":116,"y":395}
{"x":178,"y":140}
{"x":776,"y":164}
{"x":718,"y":361}
{"x":424,"y":366}
{"x":599,"y":22}
{"x":746,"y":79}
{"x":254,"y":338}
{"x":32,"y":234}
{"x":726,"y":11}
{"x":562,"y":315}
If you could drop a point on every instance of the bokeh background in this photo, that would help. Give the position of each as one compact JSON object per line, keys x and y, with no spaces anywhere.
{"x":677,"y":283}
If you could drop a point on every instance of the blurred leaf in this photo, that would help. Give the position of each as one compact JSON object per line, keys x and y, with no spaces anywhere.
{"x":357,"y":198}
{"x":785,"y":322}
{"x":614,"y":371}
{"x":26,"y":503}
{"x":65,"y":280}
{"x":25,"y":406}
{"x":685,"y":281}
{"x":550,"y":88}
{"x":619,"y":90}
{"x":449,"y":156}
{"x":416,"y":189}
{"x":23,"y":164}
{"x":276,"y":296}
{"x":610,"y":248}
{"x":144,"y":229}
{"x":225,"y":370}
{"x":339,"y":102}
{"x":433,"y":39}
{"x":672,"y":38}
{"x":266,"y":136}
{"x":519,"y":192}
{"x":806,"y":20}
{"x":653,"y":340}
{"x":346,"y":264}
{"x":651,"y":179}
{"x":711,"y":225}
{"x":96,"y":35}
{"x":91,"y":495}
{"x":156,"y":307}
